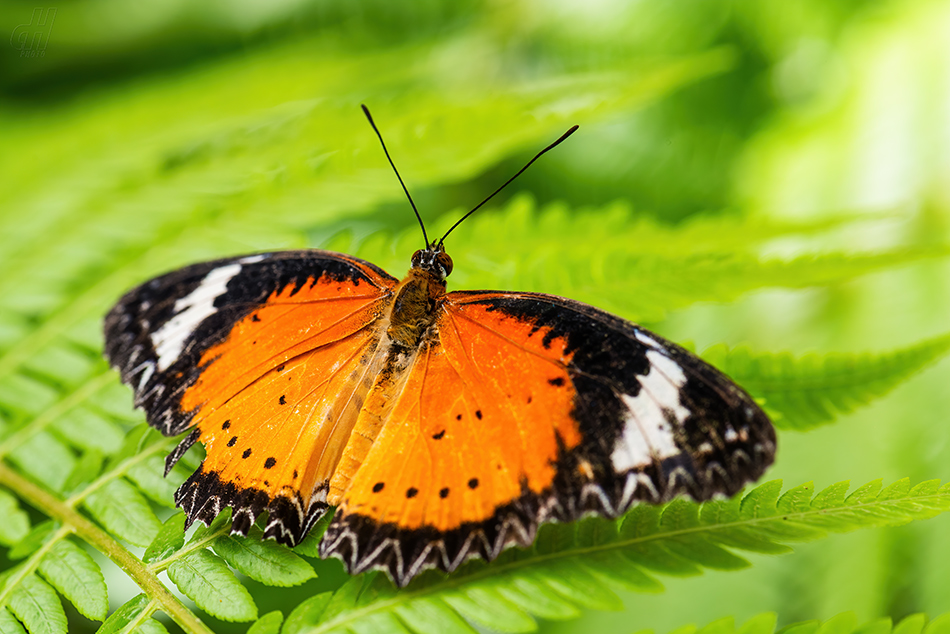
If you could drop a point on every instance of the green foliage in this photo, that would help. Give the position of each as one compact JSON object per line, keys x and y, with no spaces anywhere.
{"x":268,"y":150}
{"x":844,"y":623}
{"x":15,"y":524}
{"x":801,"y":393}
{"x":268,"y":624}
{"x":264,"y":561}
{"x":73,"y":573}
{"x":576,"y":566}
{"x":35,"y":604}
{"x":206,"y":579}
{"x":123,"y":511}
{"x":133,"y":616}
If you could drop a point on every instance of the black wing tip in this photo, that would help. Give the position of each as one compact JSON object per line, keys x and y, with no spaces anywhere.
{"x":204,"y":495}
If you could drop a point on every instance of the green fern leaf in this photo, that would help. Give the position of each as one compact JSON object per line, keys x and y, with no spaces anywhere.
{"x":805,"y":392}
{"x":561,"y":574}
{"x":306,"y":613}
{"x":432,"y":615}
{"x":489,"y":609}
{"x":149,"y":477}
{"x":913,"y":624}
{"x":33,"y":541}
{"x":123,"y":511}
{"x":87,"y":430}
{"x":205,"y":579}
{"x":87,"y":469}
{"x":45,"y":459}
{"x":268,"y":624}
{"x":759,"y":624}
{"x":9,"y":624}
{"x":940,"y":625}
{"x":15,"y":524}
{"x":25,"y":395}
{"x":35,"y":604}
{"x":168,"y":541}
{"x":877,"y":626}
{"x":150,"y":626}
{"x":263,"y":560}
{"x":71,"y":570}
{"x":135,"y":610}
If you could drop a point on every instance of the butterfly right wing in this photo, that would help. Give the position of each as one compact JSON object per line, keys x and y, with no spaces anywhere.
{"x":523,"y":408}
{"x":266,"y":357}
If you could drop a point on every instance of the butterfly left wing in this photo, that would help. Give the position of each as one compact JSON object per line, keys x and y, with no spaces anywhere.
{"x":528,"y":408}
{"x":266,"y":358}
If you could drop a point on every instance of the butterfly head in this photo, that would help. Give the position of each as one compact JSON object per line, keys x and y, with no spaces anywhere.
{"x":433,"y":260}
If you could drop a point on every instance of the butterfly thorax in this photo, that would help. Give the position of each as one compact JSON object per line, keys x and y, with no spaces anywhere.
{"x":415,"y":307}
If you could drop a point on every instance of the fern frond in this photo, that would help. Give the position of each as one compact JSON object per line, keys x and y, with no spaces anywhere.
{"x":573,"y":566}
{"x":811,"y":390}
{"x":631,"y":265}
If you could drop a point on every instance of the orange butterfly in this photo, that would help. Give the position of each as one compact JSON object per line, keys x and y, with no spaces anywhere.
{"x":442,"y":426}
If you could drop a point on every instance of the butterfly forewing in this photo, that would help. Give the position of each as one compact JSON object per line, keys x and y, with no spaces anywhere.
{"x":268,"y":357}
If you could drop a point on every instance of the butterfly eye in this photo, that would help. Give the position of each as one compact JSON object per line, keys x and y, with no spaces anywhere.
{"x":446,"y":262}
{"x":417,"y":258}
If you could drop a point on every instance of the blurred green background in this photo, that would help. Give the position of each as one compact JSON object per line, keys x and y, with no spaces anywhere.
{"x":118,"y":119}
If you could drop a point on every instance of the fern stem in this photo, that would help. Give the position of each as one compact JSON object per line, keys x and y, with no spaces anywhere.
{"x":44,"y":418}
{"x":206,"y":541}
{"x":98,"y":538}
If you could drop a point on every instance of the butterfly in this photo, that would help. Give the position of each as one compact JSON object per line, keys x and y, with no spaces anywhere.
{"x":442,"y":426}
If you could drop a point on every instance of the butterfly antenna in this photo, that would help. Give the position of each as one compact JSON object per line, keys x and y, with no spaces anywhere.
{"x":536,"y":157}
{"x":381,"y":142}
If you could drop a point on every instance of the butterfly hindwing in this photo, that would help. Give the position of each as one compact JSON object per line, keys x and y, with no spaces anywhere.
{"x":525,"y":408}
{"x":265,"y":357}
